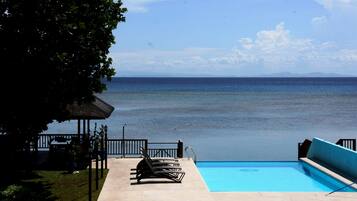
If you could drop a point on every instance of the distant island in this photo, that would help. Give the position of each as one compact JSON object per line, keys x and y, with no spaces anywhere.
{"x":313,"y":74}
{"x":203,"y":75}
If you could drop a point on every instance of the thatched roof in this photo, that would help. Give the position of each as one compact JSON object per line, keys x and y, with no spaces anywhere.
{"x":98,"y":109}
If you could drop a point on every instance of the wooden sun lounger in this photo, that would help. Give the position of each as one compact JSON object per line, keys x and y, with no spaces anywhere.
{"x":146,"y":169}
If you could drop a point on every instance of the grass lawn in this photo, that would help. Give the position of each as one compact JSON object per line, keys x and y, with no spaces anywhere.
{"x":52,"y":185}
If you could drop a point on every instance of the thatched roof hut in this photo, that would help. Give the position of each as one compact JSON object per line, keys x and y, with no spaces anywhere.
{"x":98,"y":109}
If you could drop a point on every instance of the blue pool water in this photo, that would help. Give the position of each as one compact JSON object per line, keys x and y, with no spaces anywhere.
{"x":267,"y":177}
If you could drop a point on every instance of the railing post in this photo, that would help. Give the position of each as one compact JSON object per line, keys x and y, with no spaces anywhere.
{"x":123,"y":144}
{"x":347,"y":143}
{"x":303,"y":148}
{"x":96,"y":167}
{"x":101,"y":154}
{"x":179,"y":149}
{"x":146,"y":145}
{"x":90,"y":176}
{"x":106,"y":146}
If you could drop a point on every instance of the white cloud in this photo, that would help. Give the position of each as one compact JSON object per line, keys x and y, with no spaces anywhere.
{"x":338,"y":22}
{"x":319,"y":20}
{"x":247,"y":43}
{"x":278,"y":50}
{"x":138,"y":6}
{"x":347,"y":56}
{"x":162,"y":59}
{"x":273,"y":48}
{"x":270,"y":51}
{"x":270,"y":41}
{"x":333,"y":4}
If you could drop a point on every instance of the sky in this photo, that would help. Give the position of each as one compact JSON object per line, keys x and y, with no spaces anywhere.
{"x":236,"y":38}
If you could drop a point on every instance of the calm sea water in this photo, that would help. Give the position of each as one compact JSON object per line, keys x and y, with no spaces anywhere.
{"x":232,"y":118}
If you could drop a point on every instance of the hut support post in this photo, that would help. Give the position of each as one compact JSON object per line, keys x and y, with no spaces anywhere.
{"x":88,"y":126}
{"x":84,"y":126}
{"x":79,"y":128}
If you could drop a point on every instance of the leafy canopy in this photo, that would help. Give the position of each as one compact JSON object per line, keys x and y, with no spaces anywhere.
{"x":52,"y":53}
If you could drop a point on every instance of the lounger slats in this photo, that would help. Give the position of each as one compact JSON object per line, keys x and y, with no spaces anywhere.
{"x":158,"y":168}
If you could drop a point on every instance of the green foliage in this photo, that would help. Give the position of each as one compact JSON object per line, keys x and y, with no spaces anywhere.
{"x":12,"y":192}
{"x":21,"y":192}
{"x":52,"y":53}
{"x":50,"y":186}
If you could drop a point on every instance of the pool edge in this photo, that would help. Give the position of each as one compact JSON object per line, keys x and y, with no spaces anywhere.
{"x":329,"y":172}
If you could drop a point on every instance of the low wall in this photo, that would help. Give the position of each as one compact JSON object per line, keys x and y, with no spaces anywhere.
{"x":335,"y":156}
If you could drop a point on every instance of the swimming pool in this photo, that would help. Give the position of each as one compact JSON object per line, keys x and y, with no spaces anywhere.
{"x":267,"y":177}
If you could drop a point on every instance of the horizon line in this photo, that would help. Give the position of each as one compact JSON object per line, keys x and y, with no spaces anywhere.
{"x":234,"y":77}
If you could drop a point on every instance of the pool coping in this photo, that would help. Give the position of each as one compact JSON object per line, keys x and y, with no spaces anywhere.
{"x":329,"y":172}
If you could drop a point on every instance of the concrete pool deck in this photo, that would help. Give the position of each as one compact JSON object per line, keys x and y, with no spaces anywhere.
{"x":119,"y":187}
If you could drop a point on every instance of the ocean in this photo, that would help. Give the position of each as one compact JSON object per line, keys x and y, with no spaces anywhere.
{"x":245,"y":119}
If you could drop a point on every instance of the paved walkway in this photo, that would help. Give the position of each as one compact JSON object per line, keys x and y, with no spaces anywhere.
{"x":119,"y":187}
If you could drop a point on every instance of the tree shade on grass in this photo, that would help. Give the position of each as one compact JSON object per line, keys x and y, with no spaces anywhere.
{"x":50,"y":186}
